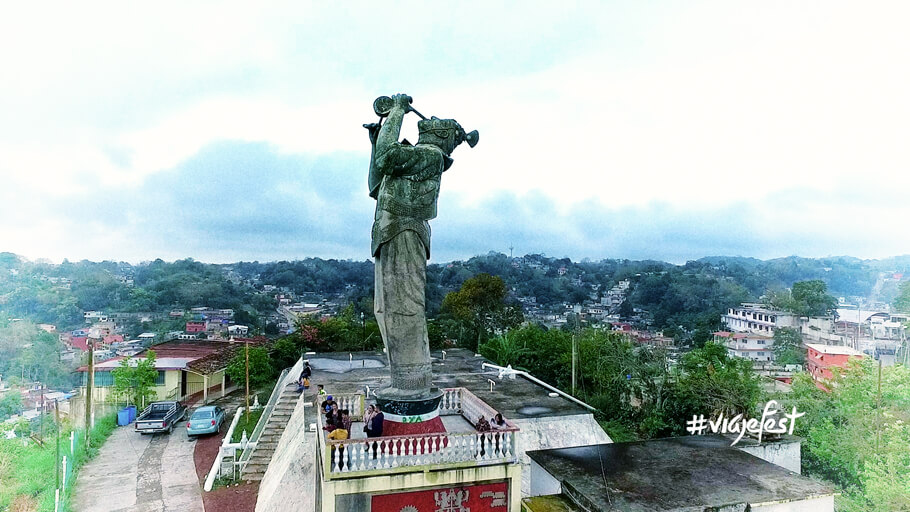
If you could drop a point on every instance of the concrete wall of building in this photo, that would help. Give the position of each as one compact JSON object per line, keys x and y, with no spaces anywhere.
{"x":171,"y":385}
{"x":105,"y":394}
{"x":784,"y":453}
{"x":291,"y":476}
{"x":554,"y":432}
{"x":355,"y":494}
{"x":820,"y":504}
{"x":542,"y":482}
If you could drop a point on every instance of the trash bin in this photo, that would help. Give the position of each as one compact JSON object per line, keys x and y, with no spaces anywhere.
{"x":123,"y":417}
{"x":132,"y":409}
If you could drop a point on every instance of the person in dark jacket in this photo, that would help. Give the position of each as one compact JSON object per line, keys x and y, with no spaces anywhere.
{"x":374,"y":429}
{"x":376,"y":423}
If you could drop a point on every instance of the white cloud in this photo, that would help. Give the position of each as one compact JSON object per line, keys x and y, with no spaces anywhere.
{"x":696,"y":107}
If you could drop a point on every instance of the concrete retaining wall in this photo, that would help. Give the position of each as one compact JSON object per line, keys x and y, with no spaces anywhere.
{"x":784,"y":452}
{"x":554,"y":432}
{"x":289,"y":482}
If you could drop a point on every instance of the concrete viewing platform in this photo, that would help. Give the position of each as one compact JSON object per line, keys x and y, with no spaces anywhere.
{"x":517,"y":398}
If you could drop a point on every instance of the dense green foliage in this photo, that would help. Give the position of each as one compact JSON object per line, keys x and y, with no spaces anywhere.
{"x":902,"y":301}
{"x":480,"y":310}
{"x":260,"y":367}
{"x":10,"y":404}
{"x":59,"y":294}
{"x":28,"y":353}
{"x":788,"y":346}
{"x":634,"y":388}
{"x":805,"y":298}
{"x":856,"y":440}
{"x":345,"y":332}
{"x":686,"y":302}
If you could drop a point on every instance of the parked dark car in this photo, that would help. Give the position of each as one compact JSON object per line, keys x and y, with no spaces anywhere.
{"x":160,"y":417}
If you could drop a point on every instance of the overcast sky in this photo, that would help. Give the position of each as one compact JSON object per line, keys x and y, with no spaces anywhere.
{"x":664,"y":130}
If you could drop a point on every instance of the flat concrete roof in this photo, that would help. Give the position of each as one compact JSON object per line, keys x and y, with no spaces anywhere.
{"x":514,"y":398}
{"x":834,"y":349}
{"x":680,"y":473}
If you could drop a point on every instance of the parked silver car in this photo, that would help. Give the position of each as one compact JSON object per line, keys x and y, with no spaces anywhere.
{"x":206,"y":420}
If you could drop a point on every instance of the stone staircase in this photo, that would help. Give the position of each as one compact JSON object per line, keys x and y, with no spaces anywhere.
{"x":271,"y":434}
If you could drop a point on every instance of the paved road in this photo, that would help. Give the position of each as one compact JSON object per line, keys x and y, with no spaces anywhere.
{"x":140,"y":473}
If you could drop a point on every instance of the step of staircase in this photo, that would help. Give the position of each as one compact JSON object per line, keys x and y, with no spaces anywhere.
{"x":268,"y":441}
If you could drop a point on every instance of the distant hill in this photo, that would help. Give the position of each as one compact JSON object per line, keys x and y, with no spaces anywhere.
{"x":689,"y":295}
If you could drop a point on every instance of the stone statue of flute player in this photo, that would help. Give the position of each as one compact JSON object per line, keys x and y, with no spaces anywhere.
{"x":404,"y":179}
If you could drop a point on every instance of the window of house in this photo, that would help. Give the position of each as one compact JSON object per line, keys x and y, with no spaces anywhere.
{"x":102,"y":379}
{"x":159,"y":381}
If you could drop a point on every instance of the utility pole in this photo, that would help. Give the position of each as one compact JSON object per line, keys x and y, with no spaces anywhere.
{"x":41,"y":416}
{"x":57,"y":418}
{"x":573,"y":363}
{"x":88,"y":391}
{"x":510,"y":251}
{"x":878,"y":410}
{"x":247,"y":350}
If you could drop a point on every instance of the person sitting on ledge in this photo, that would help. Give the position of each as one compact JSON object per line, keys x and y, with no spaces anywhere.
{"x":498,"y":423}
{"x":303,"y":382}
{"x":482,"y":425}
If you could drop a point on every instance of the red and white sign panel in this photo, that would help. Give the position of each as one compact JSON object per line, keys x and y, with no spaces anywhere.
{"x":468,"y":498}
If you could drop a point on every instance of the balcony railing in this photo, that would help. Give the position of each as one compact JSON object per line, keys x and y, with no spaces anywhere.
{"x":420,"y":452}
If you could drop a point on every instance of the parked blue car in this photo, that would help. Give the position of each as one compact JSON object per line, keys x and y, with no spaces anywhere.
{"x":206,"y":420}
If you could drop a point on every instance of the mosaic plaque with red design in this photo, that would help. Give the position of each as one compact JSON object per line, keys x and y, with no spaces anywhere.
{"x":468,"y":498}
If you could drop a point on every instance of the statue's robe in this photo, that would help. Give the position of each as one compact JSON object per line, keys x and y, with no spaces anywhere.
{"x":408,"y":187}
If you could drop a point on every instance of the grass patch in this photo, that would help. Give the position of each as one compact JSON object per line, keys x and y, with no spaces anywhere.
{"x":247,"y":423}
{"x":619,"y":432}
{"x":28,"y":472}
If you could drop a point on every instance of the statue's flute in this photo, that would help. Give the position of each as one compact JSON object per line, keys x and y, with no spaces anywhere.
{"x":383,"y":105}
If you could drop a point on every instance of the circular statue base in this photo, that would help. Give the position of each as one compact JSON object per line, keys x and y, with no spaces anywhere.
{"x":410,"y":416}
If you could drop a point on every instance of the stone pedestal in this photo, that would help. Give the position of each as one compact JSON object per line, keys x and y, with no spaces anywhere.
{"x":411,"y":416}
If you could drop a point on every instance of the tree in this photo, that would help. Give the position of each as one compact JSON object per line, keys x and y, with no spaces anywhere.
{"x":788,"y":346}
{"x":286,"y":351}
{"x":504,"y":350}
{"x":812,"y":298}
{"x":343,"y":333}
{"x":134,"y":379}
{"x":711,"y":382}
{"x":853,"y":441}
{"x":480,"y":304}
{"x":902,"y":301}
{"x":10,"y":404}
{"x":806,"y":298}
{"x":261,"y":369}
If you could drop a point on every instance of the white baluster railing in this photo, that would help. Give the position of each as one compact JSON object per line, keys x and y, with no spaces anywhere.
{"x":354,"y":457}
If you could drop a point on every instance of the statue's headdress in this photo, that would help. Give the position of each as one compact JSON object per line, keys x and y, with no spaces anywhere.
{"x":442,"y":128}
